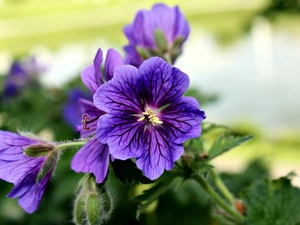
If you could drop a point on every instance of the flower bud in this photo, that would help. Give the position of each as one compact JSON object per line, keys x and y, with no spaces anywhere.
{"x":79,"y":209}
{"x":38,"y":150}
{"x":93,"y":209}
{"x":48,"y":165}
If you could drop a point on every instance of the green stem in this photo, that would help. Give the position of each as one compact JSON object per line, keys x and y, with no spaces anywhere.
{"x":70,"y":144}
{"x":226,"y":193}
{"x":217,"y":198}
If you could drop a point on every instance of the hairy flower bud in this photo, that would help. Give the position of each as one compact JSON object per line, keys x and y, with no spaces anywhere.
{"x":79,"y":209}
{"x":94,"y":204}
{"x":48,"y":165}
{"x":94,"y":209}
{"x":38,"y":150}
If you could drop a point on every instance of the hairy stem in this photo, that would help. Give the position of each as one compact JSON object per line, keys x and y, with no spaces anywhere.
{"x":224,"y":190}
{"x":214,"y":195}
{"x":70,"y":144}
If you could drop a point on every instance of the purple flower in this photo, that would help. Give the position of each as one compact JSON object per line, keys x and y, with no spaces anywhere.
{"x":174,"y":30}
{"x":72,"y":113}
{"x":147,"y":116}
{"x":29,"y":175}
{"x":93,"y":157}
{"x":20,"y":75}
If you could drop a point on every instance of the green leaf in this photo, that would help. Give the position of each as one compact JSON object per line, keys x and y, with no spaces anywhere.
{"x":127,"y":172}
{"x":149,"y":196}
{"x":223,"y":144}
{"x":274,"y":202}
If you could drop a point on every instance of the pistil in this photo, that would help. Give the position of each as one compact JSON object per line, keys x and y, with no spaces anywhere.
{"x":85,"y":120}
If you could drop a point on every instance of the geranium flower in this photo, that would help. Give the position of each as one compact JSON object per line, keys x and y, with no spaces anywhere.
{"x":147,"y":116}
{"x":160,"y":31}
{"x":29,"y":175}
{"x":93,"y":157}
{"x":20,"y":75}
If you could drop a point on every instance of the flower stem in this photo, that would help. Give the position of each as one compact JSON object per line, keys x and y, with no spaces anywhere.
{"x":226,"y":193}
{"x":70,"y":144}
{"x":217,"y":198}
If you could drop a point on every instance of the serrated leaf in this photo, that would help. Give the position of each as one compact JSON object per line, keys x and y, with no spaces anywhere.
{"x":223,"y":144}
{"x":272,"y":202}
{"x":207,"y":127}
{"x":127,"y":172}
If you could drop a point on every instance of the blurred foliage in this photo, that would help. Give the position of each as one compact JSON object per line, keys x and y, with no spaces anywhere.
{"x":272,"y":202}
{"x":281,"y":6}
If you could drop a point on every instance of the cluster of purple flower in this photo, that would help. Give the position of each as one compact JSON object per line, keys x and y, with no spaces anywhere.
{"x":138,"y":112}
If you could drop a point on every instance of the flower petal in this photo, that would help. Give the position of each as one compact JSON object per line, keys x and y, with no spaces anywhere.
{"x":14,"y":170}
{"x":30,"y":193}
{"x":112,"y":62}
{"x":123,"y":134}
{"x":119,"y":94}
{"x":141,"y":31}
{"x":132,"y":56}
{"x":160,"y":83}
{"x":164,"y":19}
{"x":93,"y":157}
{"x":182,"y":119}
{"x":159,"y":153}
{"x":91,"y":75}
{"x":182,"y":27}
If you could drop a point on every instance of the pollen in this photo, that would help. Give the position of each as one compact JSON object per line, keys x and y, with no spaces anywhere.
{"x":151,"y":117}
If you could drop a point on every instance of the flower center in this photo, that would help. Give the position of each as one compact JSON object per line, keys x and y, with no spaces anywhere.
{"x":86,"y":119}
{"x":151,"y":117}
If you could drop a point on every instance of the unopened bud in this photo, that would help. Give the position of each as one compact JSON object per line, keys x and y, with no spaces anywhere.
{"x":93,"y":209}
{"x":79,"y":209}
{"x":38,"y":150}
{"x":48,"y":165}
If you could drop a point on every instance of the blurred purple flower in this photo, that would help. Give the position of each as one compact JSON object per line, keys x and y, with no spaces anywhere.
{"x":142,"y":33}
{"x":20,"y":75}
{"x":23,"y":171}
{"x":147,"y":117}
{"x":93,"y":157}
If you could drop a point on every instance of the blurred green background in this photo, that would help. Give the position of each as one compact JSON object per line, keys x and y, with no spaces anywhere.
{"x":244,"y":52}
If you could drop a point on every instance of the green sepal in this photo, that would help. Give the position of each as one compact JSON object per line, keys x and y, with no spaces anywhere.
{"x":178,"y":42}
{"x":161,"y":41}
{"x":79,"y":216}
{"x":38,"y":150}
{"x":143,"y":53}
{"x":48,"y":165}
{"x":274,"y":202}
{"x":93,"y":209}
